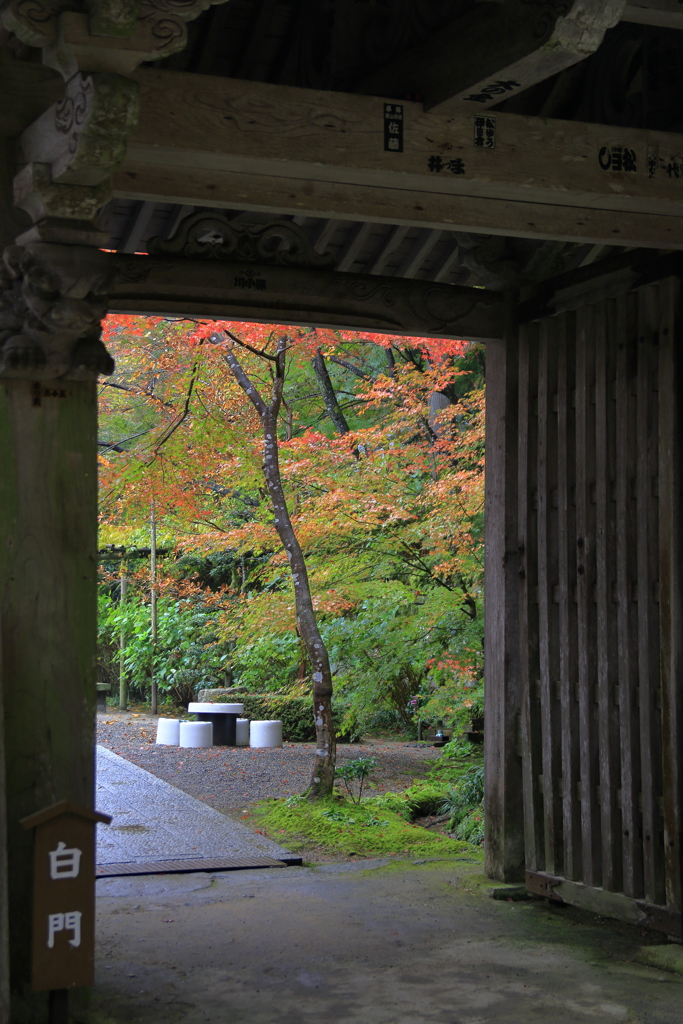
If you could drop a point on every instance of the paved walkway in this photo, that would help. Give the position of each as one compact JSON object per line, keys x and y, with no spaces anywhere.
{"x":371,"y":943}
{"x":154,"y":821}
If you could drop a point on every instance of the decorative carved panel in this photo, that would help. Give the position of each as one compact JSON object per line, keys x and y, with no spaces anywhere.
{"x":212,"y":236}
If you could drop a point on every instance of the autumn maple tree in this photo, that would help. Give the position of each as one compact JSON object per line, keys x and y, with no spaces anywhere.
{"x":343,"y":471}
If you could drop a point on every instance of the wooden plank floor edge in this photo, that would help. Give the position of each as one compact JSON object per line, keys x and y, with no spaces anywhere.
{"x":171,"y":867}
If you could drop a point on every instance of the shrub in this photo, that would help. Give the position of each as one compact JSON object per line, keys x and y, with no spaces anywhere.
{"x":357,"y":769}
{"x":295,"y":713}
{"x":464,"y":804}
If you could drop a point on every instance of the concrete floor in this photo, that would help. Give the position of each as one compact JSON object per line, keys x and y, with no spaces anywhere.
{"x":376,"y":942}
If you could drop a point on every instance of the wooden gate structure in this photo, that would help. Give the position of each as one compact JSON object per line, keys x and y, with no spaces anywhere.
{"x":591,"y":522}
{"x":510,"y":172}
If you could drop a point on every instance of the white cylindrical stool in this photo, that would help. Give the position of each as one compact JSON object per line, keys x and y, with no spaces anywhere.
{"x":242,"y":732}
{"x":168,"y":731}
{"x":265,"y":734}
{"x":196,"y":734}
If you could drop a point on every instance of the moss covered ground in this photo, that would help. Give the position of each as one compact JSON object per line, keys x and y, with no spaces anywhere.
{"x":370,"y":828}
{"x":385,"y":825}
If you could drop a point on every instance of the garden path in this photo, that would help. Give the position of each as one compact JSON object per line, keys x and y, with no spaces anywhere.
{"x":154,"y":821}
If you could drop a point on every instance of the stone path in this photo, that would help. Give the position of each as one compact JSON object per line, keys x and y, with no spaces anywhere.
{"x":154,"y":821}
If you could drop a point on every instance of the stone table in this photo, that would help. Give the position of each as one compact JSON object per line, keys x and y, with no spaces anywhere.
{"x":223,"y":717}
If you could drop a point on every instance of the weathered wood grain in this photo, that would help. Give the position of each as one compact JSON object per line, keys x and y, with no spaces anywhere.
{"x":215,"y":141}
{"x":607,"y":904}
{"x":546,"y":476}
{"x":504,"y":849}
{"x":567,"y":624}
{"x":48,"y":603}
{"x":648,"y":579}
{"x":626,"y":576}
{"x":532,"y":740}
{"x":607,"y":676}
{"x":671,"y":582}
{"x":585,"y":586}
{"x":265,"y":293}
{"x":329,"y":200}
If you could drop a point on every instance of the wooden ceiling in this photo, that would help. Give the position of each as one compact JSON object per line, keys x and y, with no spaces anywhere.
{"x":633,"y":80}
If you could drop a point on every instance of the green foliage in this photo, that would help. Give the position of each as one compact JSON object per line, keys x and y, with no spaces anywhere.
{"x":295,"y":713}
{"x":463,"y":803}
{"x":188,"y":652}
{"x":355,"y":770}
{"x":417,"y":801}
{"x":391,"y":649}
{"x":267,"y":662}
{"x":368,"y":828}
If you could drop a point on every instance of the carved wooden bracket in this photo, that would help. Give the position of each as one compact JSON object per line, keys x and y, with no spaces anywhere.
{"x":102,"y":35}
{"x":69,"y":152}
{"x":52,"y":300}
{"x":213,"y":236}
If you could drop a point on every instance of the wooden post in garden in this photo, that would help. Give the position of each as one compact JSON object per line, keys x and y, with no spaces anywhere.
{"x":153,"y":600}
{"x":503,"y":784}
{"x":123,"y":679}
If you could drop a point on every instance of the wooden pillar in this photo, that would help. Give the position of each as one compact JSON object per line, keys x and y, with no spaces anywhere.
{"x":503,"y":788}
{"x":54,"y":296}
{"x":48,"y":519}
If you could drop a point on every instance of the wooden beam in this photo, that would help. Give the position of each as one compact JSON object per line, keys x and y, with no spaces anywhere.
{"x":495,"y":51}
{"x":662,"y":13}
{"x":608,"y":904}
{"x":164,"y":285}
{"x":223,"y":143}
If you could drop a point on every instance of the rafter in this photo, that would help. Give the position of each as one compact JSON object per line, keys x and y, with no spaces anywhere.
{"x":494,"y":51}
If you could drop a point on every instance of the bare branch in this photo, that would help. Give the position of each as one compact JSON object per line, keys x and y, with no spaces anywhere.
{"x":350,"y":367}
{"x":115,"y":446}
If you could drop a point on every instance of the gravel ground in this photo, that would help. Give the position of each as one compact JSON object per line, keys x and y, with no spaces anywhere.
{"x":233,"y":778}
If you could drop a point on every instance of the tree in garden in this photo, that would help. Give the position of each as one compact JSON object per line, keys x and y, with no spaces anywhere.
{"x":384,"y":495}
{"x":322,"y":778}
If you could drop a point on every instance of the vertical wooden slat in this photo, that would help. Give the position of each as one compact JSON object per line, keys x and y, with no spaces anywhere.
{"x":528,"y":608}
{"x":671,"y":581}
{"x":503,"y":785}
{"x":585,"y":581}
{"x":610,"y":819}
{"x":627,"y":608}
{"x":648,"y":577}
{"x":568,"y":670}
{"x":546,"y":476}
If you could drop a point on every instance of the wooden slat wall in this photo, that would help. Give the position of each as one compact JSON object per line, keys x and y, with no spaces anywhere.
{"x":601,"y":598}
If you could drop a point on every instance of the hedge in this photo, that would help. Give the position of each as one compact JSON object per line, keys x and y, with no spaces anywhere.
{"x":295,"y":713}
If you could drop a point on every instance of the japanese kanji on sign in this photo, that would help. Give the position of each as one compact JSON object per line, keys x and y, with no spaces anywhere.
{"x":63,"y":895}
{"x":393,"y":127}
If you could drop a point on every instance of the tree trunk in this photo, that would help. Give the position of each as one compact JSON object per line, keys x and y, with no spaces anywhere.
{"x":329,"y":396}
{"x":123,"y":678}
{"x":322,"y":777}
{"x":153,"y":603}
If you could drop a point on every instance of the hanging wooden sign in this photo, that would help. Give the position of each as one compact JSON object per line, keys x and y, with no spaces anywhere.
{"x":63,"y":895}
